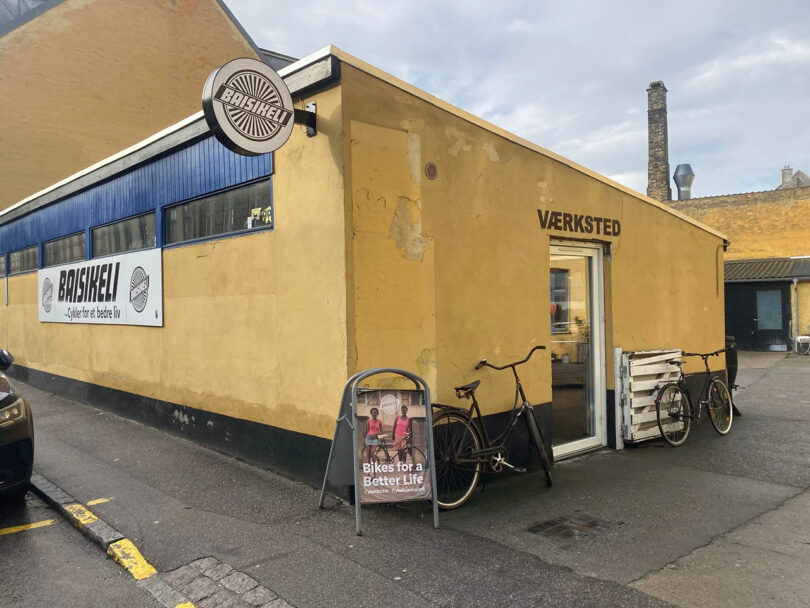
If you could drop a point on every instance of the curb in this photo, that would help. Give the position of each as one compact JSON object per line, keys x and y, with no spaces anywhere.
{"x":110,"y":540}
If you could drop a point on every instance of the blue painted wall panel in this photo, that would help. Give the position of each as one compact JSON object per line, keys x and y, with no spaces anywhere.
{"x":182,"y":174}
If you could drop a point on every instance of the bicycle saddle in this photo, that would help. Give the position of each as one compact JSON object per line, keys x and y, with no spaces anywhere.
{"x":469,"y":387}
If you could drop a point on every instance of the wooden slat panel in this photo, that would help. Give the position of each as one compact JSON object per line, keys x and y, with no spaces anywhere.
{"x":655,"y":369}
{"x":650,"y":433}
{"x":664,"y":356}
{"x":642,"y":401}
{"x":647,"y":385}
{"x":650,"y":383}
{"x":647,"y":372}
{"x":642,"y":417}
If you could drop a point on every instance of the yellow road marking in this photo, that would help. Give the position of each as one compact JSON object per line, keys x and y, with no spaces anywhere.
{"x":128,"y":556}
{"x":185,"y":605}
{"x":81,"y":513}
{"x":97,"y":501}
{"x":39,"y":524}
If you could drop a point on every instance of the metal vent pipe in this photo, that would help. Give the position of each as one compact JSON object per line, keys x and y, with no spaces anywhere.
{"x":684,"y":176}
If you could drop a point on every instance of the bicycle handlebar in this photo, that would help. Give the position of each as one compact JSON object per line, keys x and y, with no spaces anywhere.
{"x":483,"y":362}
{"x":715,"y":353}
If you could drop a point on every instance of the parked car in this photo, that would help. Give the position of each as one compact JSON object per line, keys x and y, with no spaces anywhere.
{"x":16,"y":436}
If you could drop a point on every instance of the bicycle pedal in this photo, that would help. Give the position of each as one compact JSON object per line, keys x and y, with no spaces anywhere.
{"x":511,"y":467}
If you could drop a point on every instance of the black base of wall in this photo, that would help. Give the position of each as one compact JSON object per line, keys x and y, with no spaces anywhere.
{"x":610,"y":413}
{"x":295,"y":455}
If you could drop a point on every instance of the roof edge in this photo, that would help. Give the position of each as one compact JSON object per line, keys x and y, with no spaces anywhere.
{"x":181,"y":132}
{"x":375,"y":72}
{"x":480,"y":122}
{"x":229,"y":14}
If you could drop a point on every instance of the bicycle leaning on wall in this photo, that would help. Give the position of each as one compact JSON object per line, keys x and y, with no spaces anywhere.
{"x":463,"y":448}
{"x":675,"y":411}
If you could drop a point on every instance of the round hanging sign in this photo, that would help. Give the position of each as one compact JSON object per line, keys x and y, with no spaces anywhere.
{"x":248,"y":107}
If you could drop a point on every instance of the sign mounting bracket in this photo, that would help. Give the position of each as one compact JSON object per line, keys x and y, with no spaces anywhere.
{"x":308,"y":117}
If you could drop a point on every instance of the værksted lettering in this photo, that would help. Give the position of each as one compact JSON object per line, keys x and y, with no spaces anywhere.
{"x":576,"y":222}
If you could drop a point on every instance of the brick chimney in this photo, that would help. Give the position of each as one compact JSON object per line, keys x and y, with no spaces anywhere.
{"x":787,"y":177}
{"x":658,"y":160}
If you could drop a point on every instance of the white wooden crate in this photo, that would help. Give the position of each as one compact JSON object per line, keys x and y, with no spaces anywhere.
{"x":641,"y":374}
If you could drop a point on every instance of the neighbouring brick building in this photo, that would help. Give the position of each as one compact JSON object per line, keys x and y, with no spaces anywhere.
{"x":767,"y":266}
{"x":95,"y":77}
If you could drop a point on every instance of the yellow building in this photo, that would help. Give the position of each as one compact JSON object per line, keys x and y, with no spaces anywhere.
{"x":768,"y":266}
{"x":767,"y":269}
{"x":407,"y":233}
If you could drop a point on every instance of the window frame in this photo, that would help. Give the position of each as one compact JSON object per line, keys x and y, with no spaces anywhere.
{"x":82,"y":233}
{"x":94,"y":256}
{"x":223,"y":235}
{"x":36,"y":266}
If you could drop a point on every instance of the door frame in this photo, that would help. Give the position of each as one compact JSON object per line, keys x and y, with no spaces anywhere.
{"x":741,"y":314}
{"x":595,"y":255}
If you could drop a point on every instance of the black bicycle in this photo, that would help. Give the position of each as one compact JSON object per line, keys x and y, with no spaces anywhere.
{"x":674,"y":409}
{"x":463,"y":448}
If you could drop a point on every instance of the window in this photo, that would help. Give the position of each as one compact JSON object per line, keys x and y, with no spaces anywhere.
{"x":63,"y":251}
{"x":559,"y":301}
{"x":126,"y":235}
{"x":24,"y":260}
{"x":245,"y":208}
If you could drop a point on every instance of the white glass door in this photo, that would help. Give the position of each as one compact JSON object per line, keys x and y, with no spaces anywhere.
{"x":577,"y":349}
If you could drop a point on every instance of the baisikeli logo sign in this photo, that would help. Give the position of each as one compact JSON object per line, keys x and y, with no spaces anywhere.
{"x":248,"y":107}
{"x":124,"y":289}
{"x":139,"y":289}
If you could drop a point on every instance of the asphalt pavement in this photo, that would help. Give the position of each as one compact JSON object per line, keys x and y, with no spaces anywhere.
{"x":718,"y":521}
{"x":45,"y":562}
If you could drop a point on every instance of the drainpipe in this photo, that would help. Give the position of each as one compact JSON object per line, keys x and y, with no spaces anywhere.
{"x":796,"y":324}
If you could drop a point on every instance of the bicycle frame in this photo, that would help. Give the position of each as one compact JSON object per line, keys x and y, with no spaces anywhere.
{"x":704,"y":396}
{"x":704,"y":392}
{"x":496,"y":446}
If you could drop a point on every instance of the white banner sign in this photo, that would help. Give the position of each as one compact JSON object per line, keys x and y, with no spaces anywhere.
{"x":122,"y":289}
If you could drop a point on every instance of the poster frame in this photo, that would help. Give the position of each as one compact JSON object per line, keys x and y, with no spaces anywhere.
{"x":347,"y":423}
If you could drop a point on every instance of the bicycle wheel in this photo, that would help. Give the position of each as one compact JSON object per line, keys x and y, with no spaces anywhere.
{"x":413,"y":456}
{"x":455,"y":438}
{"x":674,"y":414}
{"x":539,"y":444}
{"x":803,"y":348}
{"x":721,"y":410}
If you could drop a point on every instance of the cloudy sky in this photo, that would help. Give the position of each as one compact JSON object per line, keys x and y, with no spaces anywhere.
{"x":572,"y":76}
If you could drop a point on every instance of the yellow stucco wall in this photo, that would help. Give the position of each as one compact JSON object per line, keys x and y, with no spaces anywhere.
{"x":89,"y":78}
{"x":462,"y":262}
{"x":254,"y":325}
